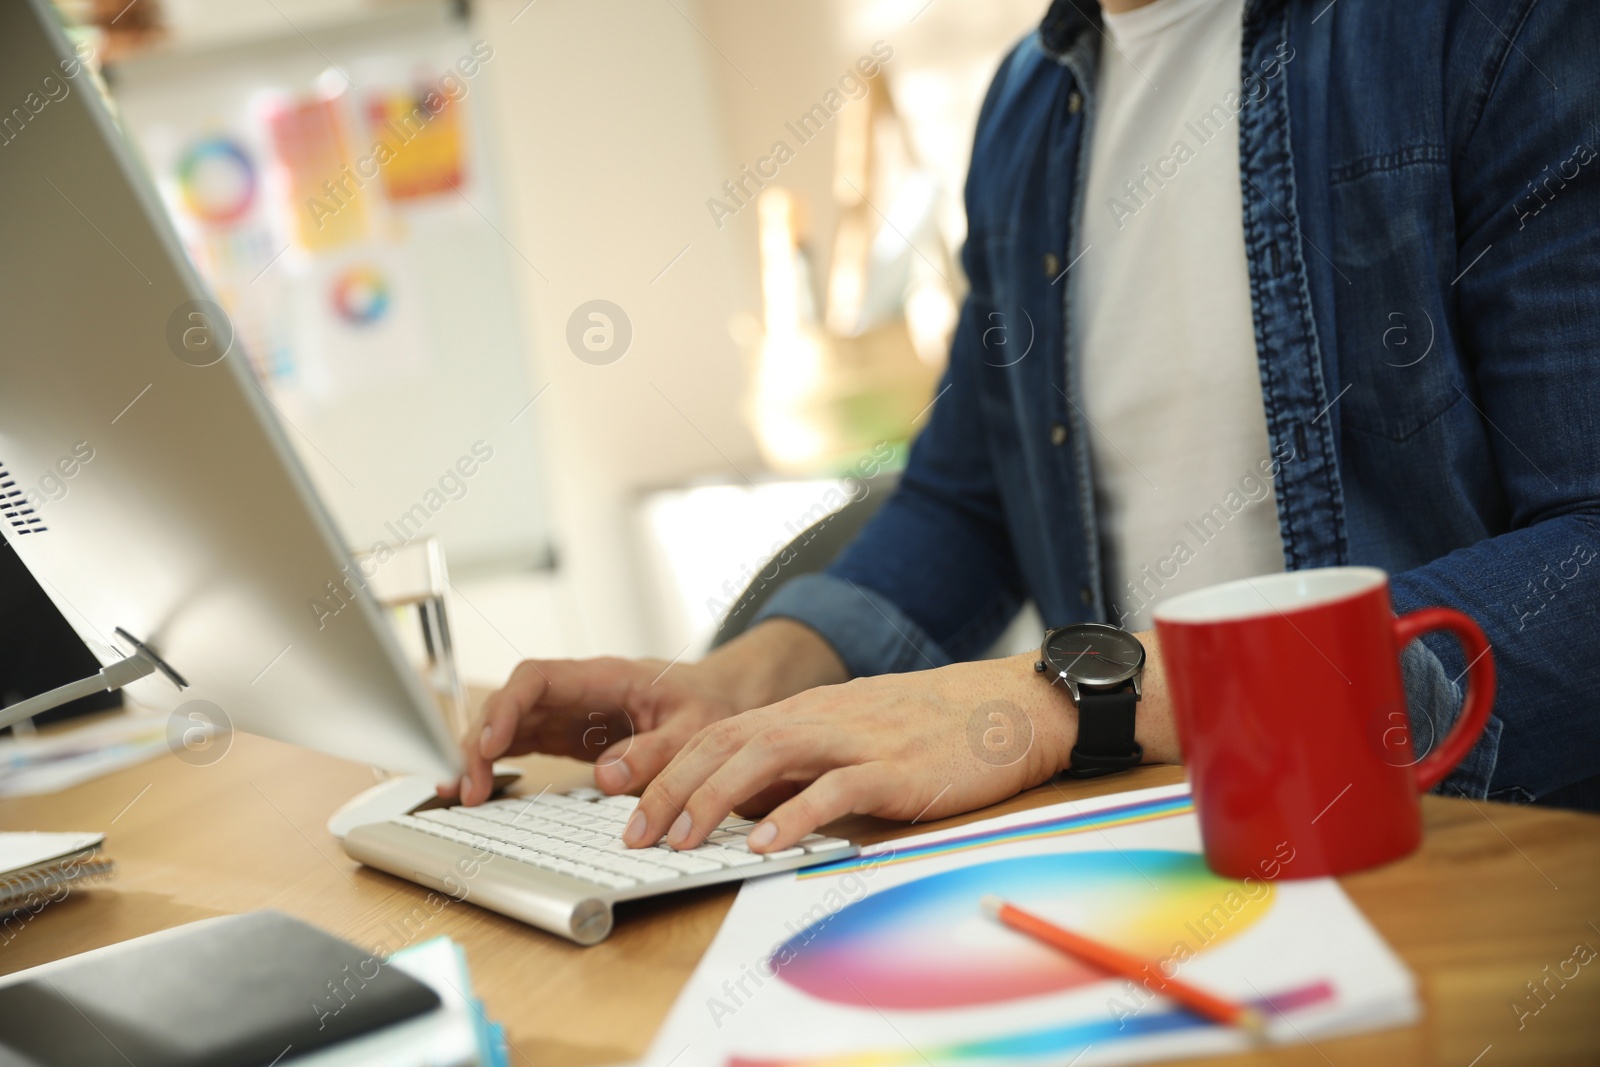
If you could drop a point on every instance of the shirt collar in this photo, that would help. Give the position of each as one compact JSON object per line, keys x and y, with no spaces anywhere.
{"x":1067,"y":19}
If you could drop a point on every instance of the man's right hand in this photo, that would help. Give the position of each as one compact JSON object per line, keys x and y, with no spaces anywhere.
{"x":630,"y":717}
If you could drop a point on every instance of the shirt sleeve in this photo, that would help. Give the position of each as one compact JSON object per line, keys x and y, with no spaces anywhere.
{"x":1530,"y":327}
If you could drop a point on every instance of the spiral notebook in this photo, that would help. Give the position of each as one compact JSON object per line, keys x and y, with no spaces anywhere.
{"x":41,"y":866}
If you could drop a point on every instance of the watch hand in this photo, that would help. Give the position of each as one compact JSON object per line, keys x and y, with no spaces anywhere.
{"x":1075,"y":659}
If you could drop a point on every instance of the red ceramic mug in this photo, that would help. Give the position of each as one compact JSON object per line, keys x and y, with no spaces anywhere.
{"x":1292,"y":719}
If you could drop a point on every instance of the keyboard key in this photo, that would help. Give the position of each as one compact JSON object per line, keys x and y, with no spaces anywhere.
{"x":682,"y":861}
{"x":632,"y":868}
{"x":824,"y":844}
{"x":517,"y":807}
{"x":458,"y":818}
{"x":541,"y":860}
{"x":552,"y":818}
{"x":723,"y":857}
{"x":729,"y":857}
{"x":606,"y":878}
{"x":559,"y":831}
{"x":499,"y":815}
{"x":783,"y":854}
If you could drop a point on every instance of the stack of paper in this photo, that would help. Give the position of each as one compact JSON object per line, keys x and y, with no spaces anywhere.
{"x":60,"y":759}
{"x":36,"y":868}
{"x":886,"y":959}
{"x":457,"y":1034}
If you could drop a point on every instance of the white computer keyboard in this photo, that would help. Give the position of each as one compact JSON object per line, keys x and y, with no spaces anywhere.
{"x":557,"y":860}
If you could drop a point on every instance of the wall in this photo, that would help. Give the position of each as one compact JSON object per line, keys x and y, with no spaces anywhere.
{"x":610,"y":143}
{"x":618,"y":121}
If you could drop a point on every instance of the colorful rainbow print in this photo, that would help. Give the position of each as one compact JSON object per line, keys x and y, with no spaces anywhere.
{"x":1104,"y":819}
{"x":1054,"y":1042}
{"x":217,"y":180}
{"x":361,"y":295}
{"x":925,"y":945}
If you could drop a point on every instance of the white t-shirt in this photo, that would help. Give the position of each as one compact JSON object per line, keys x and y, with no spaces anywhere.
{"x":1160,"y":318}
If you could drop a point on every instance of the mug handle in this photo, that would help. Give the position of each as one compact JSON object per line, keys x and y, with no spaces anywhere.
{"x":1480,"y":687}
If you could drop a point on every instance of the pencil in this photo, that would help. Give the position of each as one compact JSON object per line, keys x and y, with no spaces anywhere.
{"x":1125,"y":964}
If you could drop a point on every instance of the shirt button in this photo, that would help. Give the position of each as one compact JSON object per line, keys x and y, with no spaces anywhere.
{"x":1058,"y":434}
{"x":1052,"y":263}
{"x":1074,"y":102}
{"x":1086,"y":595}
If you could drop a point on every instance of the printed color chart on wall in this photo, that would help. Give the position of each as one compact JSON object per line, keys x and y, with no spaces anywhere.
{"x":337,"y":192}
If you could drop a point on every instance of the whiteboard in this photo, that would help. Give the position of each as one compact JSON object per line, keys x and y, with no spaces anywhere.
{"x":380,"y":313}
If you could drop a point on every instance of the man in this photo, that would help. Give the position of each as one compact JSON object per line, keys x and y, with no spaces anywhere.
{"x":1311,"y":284}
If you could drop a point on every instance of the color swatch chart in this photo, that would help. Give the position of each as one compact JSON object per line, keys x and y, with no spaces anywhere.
{"x":887,"y":959}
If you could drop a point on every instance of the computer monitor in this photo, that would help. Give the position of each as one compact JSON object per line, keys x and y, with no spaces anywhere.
{"x":144,"y":477}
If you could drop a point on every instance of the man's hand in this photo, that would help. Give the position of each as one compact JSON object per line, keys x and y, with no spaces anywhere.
{"x":902,"y":746}
{"x":629,"y":717}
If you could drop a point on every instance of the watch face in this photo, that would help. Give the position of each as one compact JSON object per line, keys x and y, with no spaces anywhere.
{"x":1094,"y":654}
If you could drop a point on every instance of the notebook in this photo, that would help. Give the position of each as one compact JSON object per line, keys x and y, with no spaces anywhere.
{"x":236,"y":991}
{"x":38,"y":867}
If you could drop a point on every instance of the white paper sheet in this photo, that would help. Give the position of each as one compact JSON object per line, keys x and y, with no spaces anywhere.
{"x":26,"y":848}
{"x":887,"y":960}
{"x":445,"y":1037}
{"x":32,"y":766}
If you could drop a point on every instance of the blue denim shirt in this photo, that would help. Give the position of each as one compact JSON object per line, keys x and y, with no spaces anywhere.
{"x":1421,"y":190}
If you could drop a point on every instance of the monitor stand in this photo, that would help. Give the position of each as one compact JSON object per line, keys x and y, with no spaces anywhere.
{"x":140,"y":664}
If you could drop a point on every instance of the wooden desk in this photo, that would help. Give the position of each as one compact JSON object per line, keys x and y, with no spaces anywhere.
{"x":1496,"y":894}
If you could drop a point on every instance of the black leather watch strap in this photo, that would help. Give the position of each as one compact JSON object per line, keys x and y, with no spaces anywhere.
{"x":1105,"y":734}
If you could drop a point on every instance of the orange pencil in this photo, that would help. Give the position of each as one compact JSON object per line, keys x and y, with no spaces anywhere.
{"x":1125,"y":964}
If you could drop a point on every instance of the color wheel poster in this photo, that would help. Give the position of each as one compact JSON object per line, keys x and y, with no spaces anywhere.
{"x":361,"y":330}
{"x":886,"y":959}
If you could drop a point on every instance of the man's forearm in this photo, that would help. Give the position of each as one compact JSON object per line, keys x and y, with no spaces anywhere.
{"x":1527,"y":589}
{"x":778,"y":658}
{"x":773,"y":660}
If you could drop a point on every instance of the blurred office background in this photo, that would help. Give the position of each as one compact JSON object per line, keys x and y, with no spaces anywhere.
{"x":661,"y":343}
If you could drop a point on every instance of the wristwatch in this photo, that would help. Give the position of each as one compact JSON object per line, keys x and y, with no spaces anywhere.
{"x":1102,"y":668}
